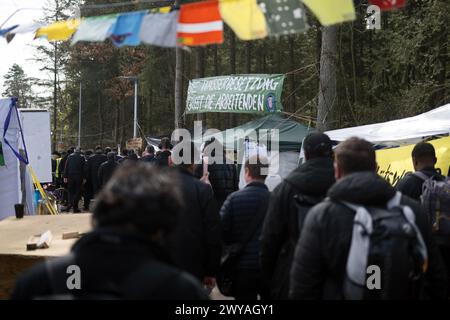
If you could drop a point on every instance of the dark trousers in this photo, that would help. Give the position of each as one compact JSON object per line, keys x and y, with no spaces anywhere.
{"x":247,"y":284}
{"x":445,"y":253}
{"x":74,"y":186}
{"x":88,"y":194}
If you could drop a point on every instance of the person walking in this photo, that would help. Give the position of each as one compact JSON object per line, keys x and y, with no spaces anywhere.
{"x":322,"y":264}
{"x":288,"y":207}
{"x":73,"y":176}
{"x":238,"y":214}
{"x":424,"y":162}
{"x":93,"y":164}
{"x":107,"y":169}
{"x":149,"y":155}
{"x":196,"y":241}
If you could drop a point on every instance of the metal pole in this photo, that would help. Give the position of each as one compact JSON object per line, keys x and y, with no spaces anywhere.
{"x":79,"y":119}
{"x":135,"y":107}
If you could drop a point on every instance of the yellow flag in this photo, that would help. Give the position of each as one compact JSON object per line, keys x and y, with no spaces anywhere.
{"x":395,"y":163}
{"x":245,"y":18}
{"x":332,"y":11}
{"x":58,"y":31}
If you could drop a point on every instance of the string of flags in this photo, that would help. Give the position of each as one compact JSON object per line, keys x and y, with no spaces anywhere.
{"x":198,"y":23}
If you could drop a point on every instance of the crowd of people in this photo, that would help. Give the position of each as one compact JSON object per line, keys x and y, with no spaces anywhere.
{"x":165,"y":231}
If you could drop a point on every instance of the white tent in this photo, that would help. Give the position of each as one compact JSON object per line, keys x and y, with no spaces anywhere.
{"x":402,"y":131}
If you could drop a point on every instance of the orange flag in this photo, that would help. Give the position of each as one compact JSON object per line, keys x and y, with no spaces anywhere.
{"x":199,"y":24}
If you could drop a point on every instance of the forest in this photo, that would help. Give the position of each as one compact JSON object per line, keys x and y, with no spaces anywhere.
{"x":397,"y":71}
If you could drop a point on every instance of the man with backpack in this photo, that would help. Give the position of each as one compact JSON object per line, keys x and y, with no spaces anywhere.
{"x":242,"y":217}
{"x":366,"y":241}
{"x":288,"y":206}
{"x":123,"y":257}
{"x":432,"y":189}
{"x":424,"y":161}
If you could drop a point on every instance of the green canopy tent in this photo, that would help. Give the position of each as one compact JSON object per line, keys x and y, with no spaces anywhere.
{"x":291,"y":135}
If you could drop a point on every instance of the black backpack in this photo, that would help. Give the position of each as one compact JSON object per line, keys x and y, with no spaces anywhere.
{"x":304,"y":203}
{"x":385,"y":241}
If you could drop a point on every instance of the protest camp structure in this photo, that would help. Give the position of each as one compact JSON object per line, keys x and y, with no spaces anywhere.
{"x":395,"y":141}
{"x":290,"y":135}
{"x":17,"y":130}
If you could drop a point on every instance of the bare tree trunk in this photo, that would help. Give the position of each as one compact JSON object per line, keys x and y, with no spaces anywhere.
{"x":292,"y":101}
{"x":232,"y":69}
{"x":100,"y":116}
{"x":200,"y":73}
{"x":178,"y":86}
{"x":327,"y":78}
{"x":116,"y":124}
{"x":248,"y":57}
{"x":216,"y":58}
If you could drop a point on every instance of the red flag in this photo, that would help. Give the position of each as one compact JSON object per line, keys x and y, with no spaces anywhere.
{"x":388,"y":4}
{"x":200,"y":23}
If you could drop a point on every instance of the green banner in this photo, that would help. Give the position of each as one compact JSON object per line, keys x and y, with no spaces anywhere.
{"x":248,"y":93}
{"x":2,"y":158}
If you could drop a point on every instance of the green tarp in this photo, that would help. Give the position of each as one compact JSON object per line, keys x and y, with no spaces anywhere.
{"x":291,"y":133}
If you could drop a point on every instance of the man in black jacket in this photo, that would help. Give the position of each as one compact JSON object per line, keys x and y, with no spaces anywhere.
{"x":238,"y":213}
{"x":281,"y":228}
{"x":221,"y":173}
{"x":92,"y":166}
{"x":149,"y":156}
{"x":319,"y":265}
{"x":424,"y":160}
{"x":73,"y":176}
{"x":122,"y":258}
{"x":163,"y":158}
{"x":107,"y":169}
{"x":196,"y":242}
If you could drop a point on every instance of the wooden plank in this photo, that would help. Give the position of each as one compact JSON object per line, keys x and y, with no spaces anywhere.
{"x":14,"y":233}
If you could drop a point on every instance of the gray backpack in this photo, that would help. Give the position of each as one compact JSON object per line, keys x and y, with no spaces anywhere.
{"x":386,"y":239}
{"x":436,"y":200}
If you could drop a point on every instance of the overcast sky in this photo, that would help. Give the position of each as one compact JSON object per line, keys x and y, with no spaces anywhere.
{"x":19,"y":50}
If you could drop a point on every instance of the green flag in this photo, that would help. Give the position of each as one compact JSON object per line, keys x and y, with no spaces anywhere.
{"x":2,"y":158}
{"x":284,"y":17}
{"x":249,"y":93}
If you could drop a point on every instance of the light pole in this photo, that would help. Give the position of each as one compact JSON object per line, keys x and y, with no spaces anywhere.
{"x":79,"y":119}
{"x":135,"y":120}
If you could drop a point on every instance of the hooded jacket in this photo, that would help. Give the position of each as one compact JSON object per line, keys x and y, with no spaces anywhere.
{"x":319,"y":265}
{"x":116,"y":264}
{"x":280,"y":231}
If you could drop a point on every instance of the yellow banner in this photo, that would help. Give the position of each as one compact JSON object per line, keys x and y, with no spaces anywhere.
{"x":394,"y":164}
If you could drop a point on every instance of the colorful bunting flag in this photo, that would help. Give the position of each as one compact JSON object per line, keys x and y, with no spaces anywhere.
{"x":95,"y":28}
{"x":160,"y":29}
{"x":388,"y":4}
{"x":331,"y":12}
{"x":3,"y":32}
{"x":2,"y":157}
{"x":200,"y":24}
{"x":25,"y":28}
{"x":245,"y":18}
{"x":284,"y":16}
{"x":161,"y":10}
{"x":58,"y":31}
{"x":126,"y":30}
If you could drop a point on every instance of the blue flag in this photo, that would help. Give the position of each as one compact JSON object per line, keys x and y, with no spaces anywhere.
{"x":126,"y":30}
